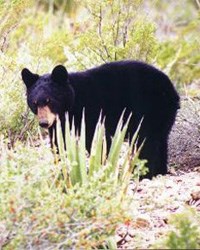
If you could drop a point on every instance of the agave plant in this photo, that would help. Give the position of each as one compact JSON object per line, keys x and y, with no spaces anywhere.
{"x":99,"y":167}
{"x":77,"y":168}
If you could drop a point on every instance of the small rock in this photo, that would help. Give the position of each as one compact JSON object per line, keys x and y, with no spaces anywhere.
{"x":196,"y":195}
{"x":141,"y":223}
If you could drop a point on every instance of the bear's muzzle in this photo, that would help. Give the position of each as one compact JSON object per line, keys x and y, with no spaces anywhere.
{"x":45,"y":116}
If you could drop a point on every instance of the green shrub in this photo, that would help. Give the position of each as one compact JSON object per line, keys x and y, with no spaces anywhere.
{"x":71,"y":203}
{"x":180,"y":59}
{"x":185,"y":233}
{"x":14,"y":115}
{"x":73,"y":161}
{"x":117,"y":32}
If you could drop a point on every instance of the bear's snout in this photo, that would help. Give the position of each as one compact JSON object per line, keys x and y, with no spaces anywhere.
{"x":45,"y":116}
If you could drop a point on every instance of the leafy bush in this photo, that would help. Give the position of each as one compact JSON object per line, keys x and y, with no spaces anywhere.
{"x":117,"y":32}
{"x":180,"y":59}
{"x":66,"y":203}
{"x":185,"y":233}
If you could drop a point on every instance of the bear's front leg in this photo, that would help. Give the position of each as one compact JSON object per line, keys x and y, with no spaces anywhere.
{"x":53,"y":136}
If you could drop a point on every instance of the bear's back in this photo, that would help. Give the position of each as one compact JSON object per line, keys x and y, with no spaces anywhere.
{"x":124,"y":83}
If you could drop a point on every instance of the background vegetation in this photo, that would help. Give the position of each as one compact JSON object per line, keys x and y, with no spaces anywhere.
{"x":79,"y":34}
{"x":41,"y":34}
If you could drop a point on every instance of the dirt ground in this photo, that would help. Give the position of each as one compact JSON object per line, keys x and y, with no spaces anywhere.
{"x":156,"y":200}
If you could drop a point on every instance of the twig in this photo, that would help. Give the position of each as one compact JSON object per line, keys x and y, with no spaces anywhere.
{"x":198,"y":3}
{"x":100,"y":32}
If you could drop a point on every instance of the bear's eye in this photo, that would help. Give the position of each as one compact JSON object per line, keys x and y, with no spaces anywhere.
{"x":35,"y":102}
{"x":47,"y":100}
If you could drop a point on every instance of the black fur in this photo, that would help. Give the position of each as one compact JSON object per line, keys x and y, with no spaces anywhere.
{"x":138,"y":88}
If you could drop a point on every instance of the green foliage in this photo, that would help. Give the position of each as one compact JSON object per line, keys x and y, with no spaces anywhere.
{"x":73,"y":203}
{"x":10,"y":15}
{"x":186,"y":233}
{"x":39,"y":34}
{"x":181,"y":57}
{"x":77,"y":170}
{"x":69,"y":6}
{"x":37,"y":213}
{"x":14,"y":116}
{"x":117,"y":32}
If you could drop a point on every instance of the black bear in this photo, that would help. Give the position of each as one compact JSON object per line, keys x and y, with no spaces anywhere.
{"x":133,"y":86}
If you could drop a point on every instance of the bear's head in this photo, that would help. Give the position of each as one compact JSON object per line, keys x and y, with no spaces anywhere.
{"x":49,"y":95}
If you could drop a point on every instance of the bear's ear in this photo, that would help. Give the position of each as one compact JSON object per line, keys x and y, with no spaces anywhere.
{"x":59,"y":74}
{"x":29,"y":78}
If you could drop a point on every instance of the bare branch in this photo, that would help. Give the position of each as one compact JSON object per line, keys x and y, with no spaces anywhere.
{"x":198,"y":3}
{"x":100,"y":33}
